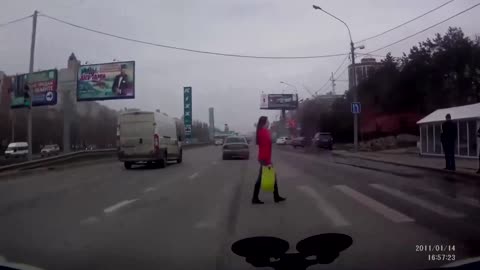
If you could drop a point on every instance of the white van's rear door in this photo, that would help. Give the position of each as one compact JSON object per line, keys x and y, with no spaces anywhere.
{"x":136,"y":133}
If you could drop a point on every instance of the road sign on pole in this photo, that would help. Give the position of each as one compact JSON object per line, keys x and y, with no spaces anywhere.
{"x":187,"y":111}
{"x":356,"y":108}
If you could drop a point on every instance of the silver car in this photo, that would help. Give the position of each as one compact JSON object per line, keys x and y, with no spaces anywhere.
{"x":50,"y":150}
{"x":236,"y":147}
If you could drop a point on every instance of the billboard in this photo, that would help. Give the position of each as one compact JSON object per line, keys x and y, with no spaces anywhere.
{"x":42,"y":86}
{"x":187,"y":111}
{"x":278,"y":101}
{"x":106,"y":81}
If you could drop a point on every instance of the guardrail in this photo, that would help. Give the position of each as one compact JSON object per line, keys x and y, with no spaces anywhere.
{"x":86,"y":154}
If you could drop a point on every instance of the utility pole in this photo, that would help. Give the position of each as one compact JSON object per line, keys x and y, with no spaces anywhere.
{"x":355,"y":97}
{"x":333,"y":84}
{"x":30,"y":70}
{"x":12,"y":114}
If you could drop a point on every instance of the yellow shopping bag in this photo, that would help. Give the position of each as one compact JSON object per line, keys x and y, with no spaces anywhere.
{"x":268,"y":178}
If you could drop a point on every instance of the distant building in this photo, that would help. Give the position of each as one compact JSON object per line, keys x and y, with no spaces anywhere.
{"x":211,"y":123}
{"x":363,"y":70}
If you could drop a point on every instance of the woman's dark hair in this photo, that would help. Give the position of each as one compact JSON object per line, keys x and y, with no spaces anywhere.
{"x":260,"y":124}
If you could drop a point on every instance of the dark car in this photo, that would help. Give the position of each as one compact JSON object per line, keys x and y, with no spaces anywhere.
{"x":299,"y":142}
{"x":323,"y":140}
{"x":235,"y":147}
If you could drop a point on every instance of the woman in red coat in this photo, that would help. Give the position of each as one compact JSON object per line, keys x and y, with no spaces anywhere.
{"x":264,"y":142}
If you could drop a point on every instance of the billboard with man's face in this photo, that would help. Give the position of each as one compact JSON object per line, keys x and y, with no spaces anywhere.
{"x":279,"y":101}
{"x":106,"y":81}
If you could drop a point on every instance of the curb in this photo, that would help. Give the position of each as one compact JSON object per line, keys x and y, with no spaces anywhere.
{"x":437,"y":170}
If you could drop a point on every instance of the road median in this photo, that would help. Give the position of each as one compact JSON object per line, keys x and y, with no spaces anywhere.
{"x":73,"y":157}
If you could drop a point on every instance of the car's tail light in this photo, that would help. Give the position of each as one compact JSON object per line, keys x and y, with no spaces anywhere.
{"x":156,"y":143}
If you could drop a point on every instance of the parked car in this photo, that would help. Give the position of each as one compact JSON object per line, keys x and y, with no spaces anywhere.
{"x":218,"y":141}
{"x":299,"y":142}
{"x":50,"y":150}
{"x":17,"y":150}
{"x":323,"y":140}
{"x":283,"y":141}
{"x":235,"y":146}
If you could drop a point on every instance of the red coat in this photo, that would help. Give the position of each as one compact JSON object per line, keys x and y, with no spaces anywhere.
{"x":264,"y":146}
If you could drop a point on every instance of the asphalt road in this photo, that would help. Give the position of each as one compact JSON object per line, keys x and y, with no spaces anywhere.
{"x":188,"y":215}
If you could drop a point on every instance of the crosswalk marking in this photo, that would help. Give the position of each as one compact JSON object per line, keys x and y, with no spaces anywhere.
{"x":460,"y":198}
{"x":420,"y":202}
{"x":376,"y":206}
{"x":327,"y":209}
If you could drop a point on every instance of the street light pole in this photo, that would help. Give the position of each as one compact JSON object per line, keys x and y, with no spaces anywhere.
{"x":294,"y":87}
{"x":30,"y":70}
{"x":354,"y":77}
{"x":355,"y":97}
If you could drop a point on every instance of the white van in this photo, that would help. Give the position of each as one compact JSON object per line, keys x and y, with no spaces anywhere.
{"x":17,"y":150}
{"x":148,"y":137}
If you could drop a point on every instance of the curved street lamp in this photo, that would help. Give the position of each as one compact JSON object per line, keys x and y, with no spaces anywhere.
{"x":354,"y":77}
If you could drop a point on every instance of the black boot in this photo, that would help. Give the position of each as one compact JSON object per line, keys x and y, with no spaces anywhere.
{"x":257,"y":201}
{"x":276,"y":196}
{"x":256,"y":191}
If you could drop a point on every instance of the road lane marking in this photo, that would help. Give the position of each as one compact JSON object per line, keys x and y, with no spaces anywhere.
{"x":89,"y":220}
{"x":191,"y":177}
{"x":376,"y":206}
{"x":327,"y":209}
{"x":443,"y":211}
{"x":149,"y":189}
{"x":463,"y":199}
{"x":117,"y":206}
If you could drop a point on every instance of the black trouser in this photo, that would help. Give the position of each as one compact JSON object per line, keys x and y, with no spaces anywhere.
{"x":449,"y":150}
{"x":256,"y":189}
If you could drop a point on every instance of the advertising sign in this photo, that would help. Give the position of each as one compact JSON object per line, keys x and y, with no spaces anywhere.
{"x":279,"y":101}
{"x":187,"y":111}
{"x":42,"y":86}
{"x":106,"y":81}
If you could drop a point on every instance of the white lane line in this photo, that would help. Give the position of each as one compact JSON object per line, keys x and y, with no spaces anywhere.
{"x":149,"y":189}
{"x":210,"y":221}
{"x":117,"y":206}
{"x":326,"y":208}
{"x":376,"y":206}
{"x":193,"y":176}
{"x":443,"y":211}
{"x":89,"y":220}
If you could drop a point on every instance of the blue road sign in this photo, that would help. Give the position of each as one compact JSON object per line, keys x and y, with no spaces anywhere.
{"x":356,"y":108}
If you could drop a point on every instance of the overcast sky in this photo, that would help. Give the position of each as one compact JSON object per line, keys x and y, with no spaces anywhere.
{"x":254,"y":27}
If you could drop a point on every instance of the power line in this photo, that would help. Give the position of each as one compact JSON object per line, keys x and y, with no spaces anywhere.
{"x":15,"y":21}
{"x":191,"y":50}
{"x":423,"y":30}
{"x":338,"y":68}
{"x":343,"y":62}
{"x":407,"y":22}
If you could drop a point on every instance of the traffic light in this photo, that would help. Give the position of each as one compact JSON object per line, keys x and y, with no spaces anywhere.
{"x":26,"y":96}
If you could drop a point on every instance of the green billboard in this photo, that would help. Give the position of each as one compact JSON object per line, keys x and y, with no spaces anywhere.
{"x":40,"y":88}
